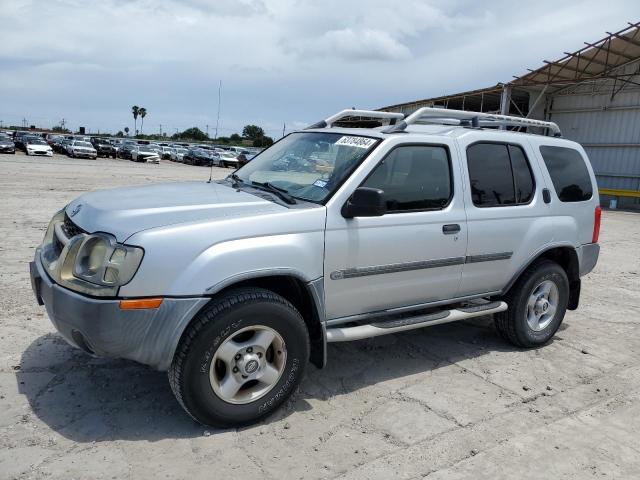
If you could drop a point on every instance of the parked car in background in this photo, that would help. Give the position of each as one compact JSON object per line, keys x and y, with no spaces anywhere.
{"x":228,"y":159}
{"x":37,"y":146}
{"x":189,"y":156}
{"x":57,"y":145}
{"x":51,"y":137}
{"x":127,"y":147}
{"x":246,"y":156}
{"x":154,"y":147}
{"x":82,"y":149}
{"x":143,"y":153}
{"x":21,"y":139}
{"x":103,"y":147}
{"x":7,"y":144}
{"x":177,"y":154}
{"x":165,"y":152}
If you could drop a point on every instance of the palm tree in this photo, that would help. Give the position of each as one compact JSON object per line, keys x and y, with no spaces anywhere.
{"x":135,"y":110}
{"x":143,"y":113}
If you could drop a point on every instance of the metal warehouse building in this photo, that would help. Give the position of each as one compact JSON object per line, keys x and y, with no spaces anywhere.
{"x":593,"y":94}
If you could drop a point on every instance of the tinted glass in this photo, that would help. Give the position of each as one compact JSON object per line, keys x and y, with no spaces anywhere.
{"x":568,"y":172}
{"x":490,"y":175}
{"x":521,"y":175}
{"x":413,"y":178}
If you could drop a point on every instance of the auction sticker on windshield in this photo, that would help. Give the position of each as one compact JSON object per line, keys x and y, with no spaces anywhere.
{"x":360,"y":142}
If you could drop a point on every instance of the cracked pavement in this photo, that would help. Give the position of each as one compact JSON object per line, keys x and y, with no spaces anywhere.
{"x":448,"y":402}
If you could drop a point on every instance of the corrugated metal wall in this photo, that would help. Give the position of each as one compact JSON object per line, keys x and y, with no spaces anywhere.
{"x":611,"y":136}
{"x":609,"y":129}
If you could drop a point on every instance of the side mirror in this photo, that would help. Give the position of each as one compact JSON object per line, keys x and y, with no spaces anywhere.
{"x":365,"y":202}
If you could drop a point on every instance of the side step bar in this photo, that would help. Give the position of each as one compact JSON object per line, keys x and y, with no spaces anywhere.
{"x":378,"y":328}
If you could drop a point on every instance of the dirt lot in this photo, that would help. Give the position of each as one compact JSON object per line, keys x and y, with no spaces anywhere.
{"x":453,"y":401}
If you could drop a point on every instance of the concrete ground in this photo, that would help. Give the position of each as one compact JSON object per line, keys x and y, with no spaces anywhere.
{"x":449,"y":402}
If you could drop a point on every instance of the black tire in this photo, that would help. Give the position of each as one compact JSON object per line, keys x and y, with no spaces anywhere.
{"x":219,"y":320}
{"x":512,"y":324}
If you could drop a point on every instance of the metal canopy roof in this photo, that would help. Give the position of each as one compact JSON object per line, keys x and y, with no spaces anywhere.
{"x":601,"y":60}
{"x":595,"y":61}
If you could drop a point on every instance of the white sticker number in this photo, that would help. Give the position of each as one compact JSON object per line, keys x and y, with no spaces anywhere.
{"x":359,"y":142}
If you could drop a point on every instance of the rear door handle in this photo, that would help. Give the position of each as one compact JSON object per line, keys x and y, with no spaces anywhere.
{"x":450,"y":229}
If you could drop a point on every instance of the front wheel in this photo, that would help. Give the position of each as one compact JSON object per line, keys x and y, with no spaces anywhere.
{"x":240,"y":359}
{"x":537,"y":305}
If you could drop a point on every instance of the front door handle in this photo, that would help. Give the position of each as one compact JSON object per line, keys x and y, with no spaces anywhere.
{"x":450,"y":229}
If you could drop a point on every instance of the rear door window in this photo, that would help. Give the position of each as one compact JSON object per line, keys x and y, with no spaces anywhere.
{"x":499,"y":174}
{"x":568,"y":173}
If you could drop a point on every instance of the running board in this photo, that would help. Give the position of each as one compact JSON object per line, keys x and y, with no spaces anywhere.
{"x":381,"y":327}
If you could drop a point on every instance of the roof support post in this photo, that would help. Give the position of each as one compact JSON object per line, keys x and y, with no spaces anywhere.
{"x":505,"y":101}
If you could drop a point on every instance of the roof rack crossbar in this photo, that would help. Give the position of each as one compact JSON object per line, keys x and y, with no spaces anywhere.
{"x":474,"y":119}
{"x":391,"y":116}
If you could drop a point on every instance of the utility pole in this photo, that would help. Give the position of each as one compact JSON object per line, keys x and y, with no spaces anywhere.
{"x":160,"y":129}
{"x":284,"y":126}
{"x":24,"y":122}
{"x":63,"y":123}
{"x":207,"y":130}
{"x":218,"y":116}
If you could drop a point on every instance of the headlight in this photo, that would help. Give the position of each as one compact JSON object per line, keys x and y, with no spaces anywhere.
{"x":94,"y":264}
{"x":100,"y":260}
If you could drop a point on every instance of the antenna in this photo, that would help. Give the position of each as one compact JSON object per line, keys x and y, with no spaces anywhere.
{"x":218,"y":116}
{"x":210,"y":170}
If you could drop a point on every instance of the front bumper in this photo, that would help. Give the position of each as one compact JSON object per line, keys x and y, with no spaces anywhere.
{"x":7,"y":149}
{"x":100,"y":327}
{"x":42,"y":153}
{"x":78,"y":154}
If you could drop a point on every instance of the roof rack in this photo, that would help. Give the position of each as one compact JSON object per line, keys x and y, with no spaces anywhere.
{"x":329,"y":122}
{"x":470,"y":119}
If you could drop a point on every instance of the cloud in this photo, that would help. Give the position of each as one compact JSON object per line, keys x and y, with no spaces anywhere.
{"x":280,"y":61}
{"x":347,"y":44}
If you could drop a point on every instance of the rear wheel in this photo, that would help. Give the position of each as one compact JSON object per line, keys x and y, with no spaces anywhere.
{"x":537,"y":305}
{"x":240,"y":358}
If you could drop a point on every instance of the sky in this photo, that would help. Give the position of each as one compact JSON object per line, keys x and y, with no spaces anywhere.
{"x":282,"y":63}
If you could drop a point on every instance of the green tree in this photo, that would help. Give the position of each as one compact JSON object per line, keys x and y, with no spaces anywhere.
{"x":263,"y":142}
{"x":193,"y":133}
{"x":135,"y":110}
{"x":252,"y":132}
{"x":126,"y":130}
{"x":143,"y":113}
{"x":235,"y":138}
{"x":60,"y":129}
{"x":119,"y":134}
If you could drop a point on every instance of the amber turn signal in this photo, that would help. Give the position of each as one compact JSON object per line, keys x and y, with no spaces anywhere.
{"x":140,"y":303}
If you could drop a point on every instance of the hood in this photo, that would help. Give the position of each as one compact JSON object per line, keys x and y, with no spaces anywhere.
{"x":125,"y":211}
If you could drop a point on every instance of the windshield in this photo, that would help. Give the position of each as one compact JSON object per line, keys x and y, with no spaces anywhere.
{"x":83,"y":144}
{"x":145,"y":149}
{"x":309,"y":165}
{"x":36,"y":141}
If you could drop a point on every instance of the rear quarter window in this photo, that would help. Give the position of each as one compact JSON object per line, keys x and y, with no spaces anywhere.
{"x":568,"y":173}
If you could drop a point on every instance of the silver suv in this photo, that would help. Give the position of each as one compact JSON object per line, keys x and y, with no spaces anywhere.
{"x":335,"y":233}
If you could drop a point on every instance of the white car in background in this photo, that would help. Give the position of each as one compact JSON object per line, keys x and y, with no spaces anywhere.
{"x":82,"y":149}
{"x":166,"y":152}
{"x":38,"y":146}
{"x":227,"y":158}
{"x":144,"y":153}
{"x":177,"y":155}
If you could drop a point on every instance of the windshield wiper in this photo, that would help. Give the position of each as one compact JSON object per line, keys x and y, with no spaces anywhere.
{"x":236,"y":180}
{"x":281,"y":193}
